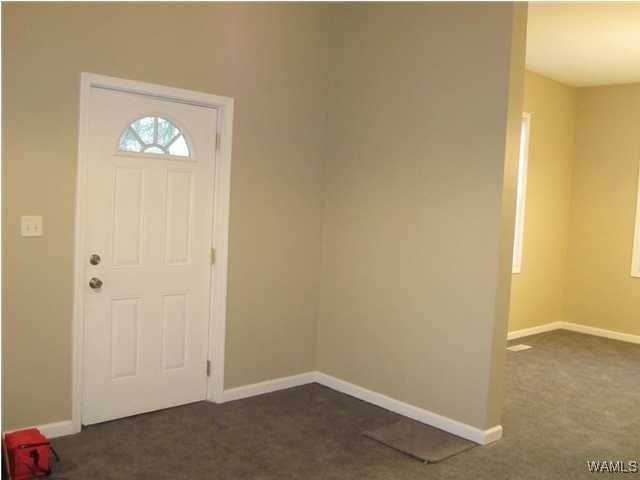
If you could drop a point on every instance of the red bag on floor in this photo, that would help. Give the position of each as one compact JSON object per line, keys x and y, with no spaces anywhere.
{"x":27,"y":454}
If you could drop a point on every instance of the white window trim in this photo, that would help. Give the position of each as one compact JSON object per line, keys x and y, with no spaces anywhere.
{"x":635,"y":260}
{"x":521,"y":193}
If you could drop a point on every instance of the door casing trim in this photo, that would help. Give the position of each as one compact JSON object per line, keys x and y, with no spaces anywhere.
{"x":220,"y":234}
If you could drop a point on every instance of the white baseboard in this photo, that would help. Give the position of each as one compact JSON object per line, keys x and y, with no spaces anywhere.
{"x":600,"y":332}
{"x":52,"y":430}
{"x":574,"y":327}
{"x":483,"y":437}
{"x":425,"y":416}
{"x":268,"y":386}
{"x":547,"y":327}
{"x":492,"y":434}
{"x":455,"y":427}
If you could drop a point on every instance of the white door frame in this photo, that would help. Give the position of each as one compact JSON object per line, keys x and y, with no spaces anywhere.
{"x":220,"y":235}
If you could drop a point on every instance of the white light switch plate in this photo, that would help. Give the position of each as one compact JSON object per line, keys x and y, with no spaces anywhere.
{"x":31,"y":226}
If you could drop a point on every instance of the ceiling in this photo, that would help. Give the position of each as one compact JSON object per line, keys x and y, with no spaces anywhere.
{"x":585,"y":44}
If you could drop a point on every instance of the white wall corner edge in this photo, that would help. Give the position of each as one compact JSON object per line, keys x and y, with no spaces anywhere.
{"x":492,"y":434}
{"x":52,"y":430}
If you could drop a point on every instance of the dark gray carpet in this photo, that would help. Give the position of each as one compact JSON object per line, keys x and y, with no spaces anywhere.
{"x":420,"y":441}
{"x":569,"y":399}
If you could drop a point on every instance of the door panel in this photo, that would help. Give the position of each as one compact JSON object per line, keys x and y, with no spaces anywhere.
{"x":174,"y":333}
{"x":127,"y":216}
{"x":125,"y":337}
{"x":149,"y":217}
{"x":178,"y":221}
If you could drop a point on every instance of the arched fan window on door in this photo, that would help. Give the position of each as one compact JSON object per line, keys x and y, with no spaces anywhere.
{"x":155,"y":135}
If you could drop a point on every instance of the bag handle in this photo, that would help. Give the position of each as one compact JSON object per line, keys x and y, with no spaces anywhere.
{"x":35,"y":454}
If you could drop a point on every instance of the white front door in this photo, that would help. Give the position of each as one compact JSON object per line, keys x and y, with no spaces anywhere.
{"x":148,"y":253}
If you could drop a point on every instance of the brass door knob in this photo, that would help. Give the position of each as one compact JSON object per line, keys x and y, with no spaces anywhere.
{"x":95,"y":283}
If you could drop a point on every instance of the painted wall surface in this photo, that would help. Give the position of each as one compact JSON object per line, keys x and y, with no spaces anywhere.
{"x":272,"y":60}
{"x":370,"y":230}
{"x":601,"y":291}
{"x":495,"y":399}
{"x":413,"y":251}
{"x":538,"y":291}
{"x":584,"y":158}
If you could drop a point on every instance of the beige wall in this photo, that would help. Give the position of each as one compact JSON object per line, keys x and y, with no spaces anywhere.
{"x":538,"y":292}
{"x":495,"y":397}
{"x":414,"y":191}
{"x":370,"y":118}
{"x":272,"y":60}
{"x":601,"y":291}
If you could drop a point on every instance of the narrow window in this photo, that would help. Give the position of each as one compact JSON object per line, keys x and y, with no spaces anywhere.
{"x":521,"y":193}
{"x":154,"y":135}
{"x":635,"y":267}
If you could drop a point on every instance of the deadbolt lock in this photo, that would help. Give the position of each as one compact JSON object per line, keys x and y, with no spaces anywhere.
{"x":94,"y":259}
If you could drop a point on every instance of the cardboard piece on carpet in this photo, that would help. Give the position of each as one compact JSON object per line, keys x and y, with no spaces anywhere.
{"x":420,"y":441}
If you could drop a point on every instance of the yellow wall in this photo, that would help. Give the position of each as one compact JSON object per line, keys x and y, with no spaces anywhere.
{"x":538,"y":292}
{"x":584,"y":157}
{"x":272,"y":60}
{"x":414,"y":191}
{"x":601,"y":291}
